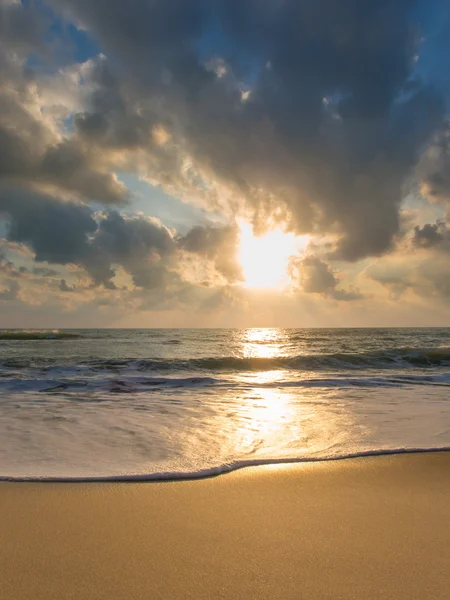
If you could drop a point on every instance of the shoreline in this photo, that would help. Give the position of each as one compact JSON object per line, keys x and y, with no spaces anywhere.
{"x":372,"y":528}
{"x":225,"y":469}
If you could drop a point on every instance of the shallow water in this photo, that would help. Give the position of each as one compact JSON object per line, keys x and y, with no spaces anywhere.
{"x":102,"y":403}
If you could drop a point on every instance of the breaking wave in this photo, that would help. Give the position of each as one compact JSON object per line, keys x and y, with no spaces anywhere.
{"x":398,"y":358}
{"x":407,"y":357}
{"x":132,"y":384}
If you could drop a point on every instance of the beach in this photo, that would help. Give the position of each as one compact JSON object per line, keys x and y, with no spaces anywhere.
{"x":224,"y":300}
{"x":372,"y":528}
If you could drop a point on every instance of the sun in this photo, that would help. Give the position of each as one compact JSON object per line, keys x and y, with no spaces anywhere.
{"x":264,"y":259}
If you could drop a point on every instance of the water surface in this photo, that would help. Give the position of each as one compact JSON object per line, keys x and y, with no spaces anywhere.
{"x":102,"y":403}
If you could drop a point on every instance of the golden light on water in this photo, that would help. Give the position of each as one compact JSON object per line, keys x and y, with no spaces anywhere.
{"x":265,"y":413}
{"x":262,"y":343}
{"x":270,"y":408}
{"x":265,"y":418}
{"x":272,"y":420}
{"x":265,"y":259}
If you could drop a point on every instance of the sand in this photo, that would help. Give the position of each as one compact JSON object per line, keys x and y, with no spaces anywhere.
{"x":369,"y":528}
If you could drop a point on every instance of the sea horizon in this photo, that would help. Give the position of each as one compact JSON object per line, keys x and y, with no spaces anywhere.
{"x":56,"y":328}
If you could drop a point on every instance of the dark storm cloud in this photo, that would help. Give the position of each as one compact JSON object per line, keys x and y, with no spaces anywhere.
{"x":23,"y":29}
{"x":63,"y":287}
{"x":151,"y":253}
{"x":141,"y":27}
{"x":111,"y":119}
{"x":432,"y":235}
{"x":69,"y":233}
{"x":140,"y":245}
{"x":131,"y":125}
{"x":56,"y":231}
{"x":65,"y":164}
{"x":32,"y":151}
{"x":69,"y":166}
{"x":316,"y":277}
{"x":436,"y":167}
{"x":334,"y":122}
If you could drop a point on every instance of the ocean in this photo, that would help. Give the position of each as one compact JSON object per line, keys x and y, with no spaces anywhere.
{"x":179,"y":403}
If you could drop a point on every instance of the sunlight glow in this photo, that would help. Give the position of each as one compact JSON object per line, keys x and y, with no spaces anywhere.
{"x":264,"y":259}
{"x":262,"y":343}
{"x":268,"y":418}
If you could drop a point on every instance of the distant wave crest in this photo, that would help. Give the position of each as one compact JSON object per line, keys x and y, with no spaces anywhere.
{"x":35,"y":334}
{"x":421,"y":357}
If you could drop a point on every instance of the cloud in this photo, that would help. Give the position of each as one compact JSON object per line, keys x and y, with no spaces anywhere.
{"x":432,"y":235}
{"x":311,"y":116}
{"x":228,"y":298}
{"x":11,"y":292}
{"x":44,"y":272}
{"x":33,"y":148}
{"x":21,"y":29}
{"x":394,"y":275}
{"x":56,"y":231}
{"x":69,"y":233}
{"x":7,"y":266}
{"x":333,"y":124}
{"x":219,"y":245}
{"x":133,"y":130}
{"x":63,"y":287}
{"x":313,"y":276}
{"x":424,"y":271}
{"x":435,"y":167}
{"x":140,"y":245}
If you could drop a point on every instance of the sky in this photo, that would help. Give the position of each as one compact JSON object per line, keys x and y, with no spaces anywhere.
{"x":224,"y":163}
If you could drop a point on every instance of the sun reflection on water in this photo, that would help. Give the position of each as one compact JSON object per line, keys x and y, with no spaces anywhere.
{"x":270,"y":419}
{"x":268,"y":408}
{"x":262,"y":343}
{"x":264,"y":409}
{"x":274,"y":422}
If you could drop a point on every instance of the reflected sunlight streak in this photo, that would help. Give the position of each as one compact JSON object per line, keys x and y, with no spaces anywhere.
{"x":262,"y":343}
{"x":271,"y":418}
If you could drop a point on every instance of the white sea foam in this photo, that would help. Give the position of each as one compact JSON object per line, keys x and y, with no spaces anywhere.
{"x":220,"y":469}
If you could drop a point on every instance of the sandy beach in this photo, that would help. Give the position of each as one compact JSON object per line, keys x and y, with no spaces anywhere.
{"x":369,"y":528}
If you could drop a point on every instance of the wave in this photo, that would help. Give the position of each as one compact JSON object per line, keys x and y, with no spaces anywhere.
{"x":397,"y":357}
{"x":389,"y":359}
{"x":131,"y":384}
{"x":222,"y":469}
{"x":397,"y":380}
{"x":124,"y":385}
{"x":35,"y":334}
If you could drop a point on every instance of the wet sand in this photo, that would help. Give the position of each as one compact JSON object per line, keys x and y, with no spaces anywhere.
{"x":363,"y":529}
